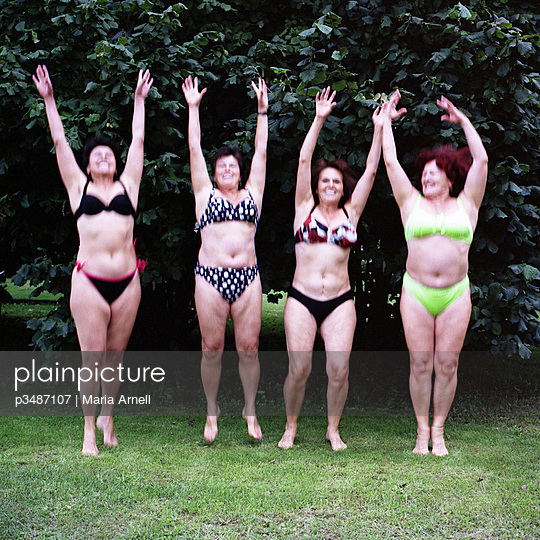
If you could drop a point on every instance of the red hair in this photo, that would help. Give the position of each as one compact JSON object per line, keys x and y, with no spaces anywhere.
{"x":454,"y":162}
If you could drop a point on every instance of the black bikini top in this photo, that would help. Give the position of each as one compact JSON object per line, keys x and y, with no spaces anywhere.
{"x":91,"y":205}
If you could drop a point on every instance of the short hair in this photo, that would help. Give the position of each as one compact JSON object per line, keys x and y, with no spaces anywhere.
{"x":349,"y":180}
{"x":102,"y":140}
{"x":228,"y":151}
{"x":453,"y":161}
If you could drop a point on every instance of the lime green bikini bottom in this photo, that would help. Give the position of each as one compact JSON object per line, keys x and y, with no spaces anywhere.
{"x":435,"y":300}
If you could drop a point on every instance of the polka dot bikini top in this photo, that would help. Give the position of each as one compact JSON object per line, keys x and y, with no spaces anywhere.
{"x":219,"y":209}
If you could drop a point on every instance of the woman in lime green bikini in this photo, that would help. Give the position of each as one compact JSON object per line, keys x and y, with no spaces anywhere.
{"x":439,"y":225}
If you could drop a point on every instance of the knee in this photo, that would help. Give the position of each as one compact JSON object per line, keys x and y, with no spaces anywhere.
{"x":93,"y":358}
{"x":338,"y":374}
{"x":421,"y":364}
{"x":212,"y":344}
{"x":299,"y":373}
{"x":248,"y":358}
{"x":247,"y":344}
{"x":446,"y":365}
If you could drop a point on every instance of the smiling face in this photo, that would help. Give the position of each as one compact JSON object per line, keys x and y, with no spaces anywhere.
{"x":227,"y":173}
{"x":101,"y":161}
{"x":435,"y":183}
{"x":330,"y":186}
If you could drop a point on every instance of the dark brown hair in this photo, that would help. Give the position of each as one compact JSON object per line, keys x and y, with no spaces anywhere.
{"x":228,"y":151}
{"x":349,"y":180}
{"x":102,"y":140}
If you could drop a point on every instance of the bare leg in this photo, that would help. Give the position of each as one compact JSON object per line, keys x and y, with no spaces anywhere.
{"x":300,"y":330}
{"x":419,"y":327}
{"x":246,"y":316}
{"x":337,"y":331}
{"x":92,"y":315}
{"x":123,"y":314}
{"x":212,"y":311}
{"x":450,"y":330}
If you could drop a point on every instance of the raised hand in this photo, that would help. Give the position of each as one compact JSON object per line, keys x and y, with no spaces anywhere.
{"x":324,"y":103}
{"x":43,"y":82}
{"x":379,"y":114}
{"x":262,"y":95}
{"x":392,"y":110}
{"x":190,"y":88}
{"x":454,"y":115}
{"x":144,"y":84}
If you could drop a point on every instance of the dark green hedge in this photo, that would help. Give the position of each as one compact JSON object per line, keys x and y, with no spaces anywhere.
{"x":482,"y":55}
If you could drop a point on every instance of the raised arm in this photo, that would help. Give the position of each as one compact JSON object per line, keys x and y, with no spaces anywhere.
{"x":135,"y":159}
{"x":257,"y":173}
{"x":401,"y":185}
{"x":475,"y":184}
{"x":363,"y":186}
{"x":199,"y":173}
{"x":72,"y":176}
{"x":324,"y":103}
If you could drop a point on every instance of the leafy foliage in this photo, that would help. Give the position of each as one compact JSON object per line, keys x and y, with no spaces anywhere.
{"x":482,"y":55}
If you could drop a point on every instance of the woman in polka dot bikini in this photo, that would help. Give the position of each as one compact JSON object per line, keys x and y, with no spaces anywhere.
{"x":227,"y":278}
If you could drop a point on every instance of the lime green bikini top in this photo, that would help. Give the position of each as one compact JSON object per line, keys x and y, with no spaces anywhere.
{"x":456,"y":226}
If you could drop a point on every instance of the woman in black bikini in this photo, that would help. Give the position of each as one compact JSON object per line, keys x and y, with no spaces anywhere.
{"x":328,"y":206}
{"x":227,"y":278}
{"x":105,"y":287}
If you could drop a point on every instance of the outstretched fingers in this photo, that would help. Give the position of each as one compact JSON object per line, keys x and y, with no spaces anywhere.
{"x":324,"y":95}
{"x":144,"y":83}
{"x":454,"y":115}
{"x":324,"y":102}
{"x":42,"y":81}
{"x":190,"y":87}
{"x":261,"y":91}
{"x":392,"y":110}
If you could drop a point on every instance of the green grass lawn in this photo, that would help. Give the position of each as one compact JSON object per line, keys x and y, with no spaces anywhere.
{"x":25,"y":307}
{"x":164,"y":482}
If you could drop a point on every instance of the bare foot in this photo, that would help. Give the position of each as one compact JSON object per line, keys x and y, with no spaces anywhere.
{"x":105,"y":424}
{"x":210,"y":428}
{"x":89,"y":447}
{"x":335,"y":441}
{"x":254,"y":429}
{"x":422,"y":441}
{"x":287,"y":441}
{"x":437,"y":439}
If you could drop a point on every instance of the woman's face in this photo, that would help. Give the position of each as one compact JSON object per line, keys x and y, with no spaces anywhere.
{"x":434,"y":180}
{"x":227,"y":173}
{"x":330,"y":186}
{"x":101,"y":161}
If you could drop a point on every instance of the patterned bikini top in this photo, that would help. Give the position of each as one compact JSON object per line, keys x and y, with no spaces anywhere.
{"x":91,"y":205}
{"x":219,"y":209}
{"x":456,"y":225}
{"x":313,"y":231}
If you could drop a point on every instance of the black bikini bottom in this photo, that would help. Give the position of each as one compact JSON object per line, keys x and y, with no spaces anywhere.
{"x":110,"y":290}
{"x":320,"y":309}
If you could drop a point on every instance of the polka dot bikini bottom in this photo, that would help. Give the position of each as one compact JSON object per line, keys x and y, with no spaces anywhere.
{"x":229,"y":282}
